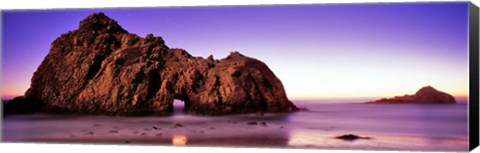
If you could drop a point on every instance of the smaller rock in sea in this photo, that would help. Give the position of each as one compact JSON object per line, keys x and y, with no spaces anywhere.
{"x":263,"y":123}
{"x":252,"y":123}
{"x":351,"y":137}
{"x":113,"y":131}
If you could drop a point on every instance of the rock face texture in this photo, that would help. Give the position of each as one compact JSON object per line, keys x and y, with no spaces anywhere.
{"x":426,"y":95}
{"x":100,"y":68}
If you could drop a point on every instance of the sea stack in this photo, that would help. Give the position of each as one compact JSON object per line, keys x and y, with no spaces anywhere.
{"x":426,"y":95}
{"x":101,"y":68}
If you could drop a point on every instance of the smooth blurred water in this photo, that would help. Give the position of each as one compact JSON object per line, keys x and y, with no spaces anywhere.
{"x":403,"y":119}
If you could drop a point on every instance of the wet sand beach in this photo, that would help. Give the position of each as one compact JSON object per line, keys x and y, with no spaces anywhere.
{"x":420,"y":129}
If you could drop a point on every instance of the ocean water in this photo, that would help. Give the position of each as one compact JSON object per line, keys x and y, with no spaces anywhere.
{"x":404,"y":127}
{"x":390,"y":127}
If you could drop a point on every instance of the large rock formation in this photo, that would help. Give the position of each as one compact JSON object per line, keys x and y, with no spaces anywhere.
{"x":426,"y":95}
{"x":100,"y":68}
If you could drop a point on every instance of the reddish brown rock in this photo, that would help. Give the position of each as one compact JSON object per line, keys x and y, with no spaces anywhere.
{"x":426,"y":95}
{"x":100,"y":68}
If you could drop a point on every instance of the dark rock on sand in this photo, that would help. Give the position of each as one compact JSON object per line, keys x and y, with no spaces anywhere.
{"x":100,"y":68}
{"x":263,"y":123}
{"x":426,"y":95}
{"x":178,"y":125}
{"x":351,"y":137}
{"x":113,"y":131}
{"x":252,"y":123}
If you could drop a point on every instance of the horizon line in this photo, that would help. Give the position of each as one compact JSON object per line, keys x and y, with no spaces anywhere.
{"x":457,"y":97}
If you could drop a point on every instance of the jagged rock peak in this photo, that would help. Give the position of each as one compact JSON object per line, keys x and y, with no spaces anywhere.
{"x":101,"y":23}
{"x":235,"y":54}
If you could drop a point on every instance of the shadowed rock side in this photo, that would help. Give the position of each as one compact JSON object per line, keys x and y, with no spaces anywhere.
{"x":102,"y":69}
{"x":426,"y":95}
{"x":20,"y":105}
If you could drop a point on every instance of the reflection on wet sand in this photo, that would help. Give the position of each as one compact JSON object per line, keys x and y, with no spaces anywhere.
{"x":179,"y":140}
{"x":256,"y":140}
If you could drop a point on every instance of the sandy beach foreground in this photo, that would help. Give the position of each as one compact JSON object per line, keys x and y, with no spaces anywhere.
{"x":316,"y":128}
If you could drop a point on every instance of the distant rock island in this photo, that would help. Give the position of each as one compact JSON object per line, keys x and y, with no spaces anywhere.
{"x":100,"y":68}
{"x":426,"y":95}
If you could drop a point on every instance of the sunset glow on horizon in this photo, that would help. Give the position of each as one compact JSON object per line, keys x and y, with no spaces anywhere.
{"x":317,"y":51}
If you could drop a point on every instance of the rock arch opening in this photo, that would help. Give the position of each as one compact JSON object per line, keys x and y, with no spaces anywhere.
{"x":180,"y":104}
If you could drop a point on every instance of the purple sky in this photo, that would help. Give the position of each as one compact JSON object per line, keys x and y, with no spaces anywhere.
{"x":318,"y":51}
